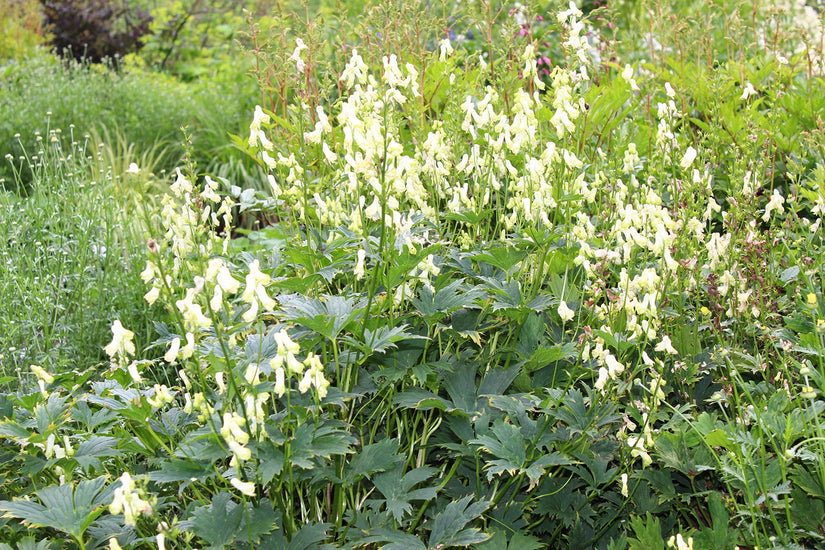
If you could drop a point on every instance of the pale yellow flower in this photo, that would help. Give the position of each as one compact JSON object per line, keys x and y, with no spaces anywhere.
{"x":678,"y":543}
{"x":565,"y":312}
{"x":666,"y":346}
{"x":42,"y":374}
{"x":152,"y":296}
{"x":127,"y":501}
{"x":748,"y":91}
{"x":245,"y":487}
{"x":359,"y":270}
{"x":687,"y":160}
{"x":172,"y":354}
{"x":122,"y":341}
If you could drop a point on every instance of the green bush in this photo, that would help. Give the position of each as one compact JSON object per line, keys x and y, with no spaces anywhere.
{"x":43,"y":92}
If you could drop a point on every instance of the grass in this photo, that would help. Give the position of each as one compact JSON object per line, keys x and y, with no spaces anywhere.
{"x":71,"y":253}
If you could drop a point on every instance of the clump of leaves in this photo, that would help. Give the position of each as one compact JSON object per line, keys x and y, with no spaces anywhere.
{"x":94,"y":29}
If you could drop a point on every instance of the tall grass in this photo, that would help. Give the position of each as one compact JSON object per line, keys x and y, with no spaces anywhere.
{"x":71,"y":253}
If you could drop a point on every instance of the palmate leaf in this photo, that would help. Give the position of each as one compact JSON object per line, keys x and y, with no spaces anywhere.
{"x":398,"y":491}
{"x":507,"y":445}
{"x":382,"y":339}
{"x":323,"y":442}
{"x":506,"y":294}
{"x":447,"y":528}
{"x":396,"y":539}
{"x":67,"y":508}
{"x":327,"y":316}
{"x":224,"y":521}
{"x":89,"y":452}
{"x":28,"y":543}
{"x":456,"y":295}
{"x":503,"y":257}
{"x":176,"y":470}
{"x":417,"y":398}
{"x":13,"y":430}
{"x":307,"y":538}
{"x":375,"y":457}
{"x":517,"y":542}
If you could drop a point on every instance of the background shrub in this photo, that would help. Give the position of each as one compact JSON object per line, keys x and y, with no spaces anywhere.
{"x":144,"y":108}
{"x":21,"y":27}
{"x":94,"y":29}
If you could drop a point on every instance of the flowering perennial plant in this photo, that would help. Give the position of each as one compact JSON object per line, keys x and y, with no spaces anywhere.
{"x":537,"y":292}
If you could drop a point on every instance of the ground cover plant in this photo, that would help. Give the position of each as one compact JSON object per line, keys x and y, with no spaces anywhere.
{"x":513,"y":277}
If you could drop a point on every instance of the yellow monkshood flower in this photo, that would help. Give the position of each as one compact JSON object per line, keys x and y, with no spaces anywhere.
{"x":128,"y":502}
{"x":244,"y":487}
{"x":565,"y":312}
{"x":41,"y":374}
{"x":122,"y":341}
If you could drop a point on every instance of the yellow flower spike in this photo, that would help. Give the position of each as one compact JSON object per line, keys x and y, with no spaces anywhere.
{"x":811,"y":300}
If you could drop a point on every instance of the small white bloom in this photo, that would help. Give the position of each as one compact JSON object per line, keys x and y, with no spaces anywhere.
{"x":133,"y":169}
{"x":776,"y":202}
{"x":305,"y":382}
{"x":171,"y":355}
{"x":245,"y":487}
{"x":280,"y":382}
{"x":666,"y":345}
{"x":126,"y":500}
{"x":122,"y":341}
{"x":226,"y":281}
{"x":565,"y":312}
{"x":748,"y":91}
{"x":296,"y":55}
{"x":678,"y":543}
{"x":687,"y":160}
{"x":152,"y":296}
{"x":445,"y":49}
{"x":359,"y":265}
{"x":133,"y":372}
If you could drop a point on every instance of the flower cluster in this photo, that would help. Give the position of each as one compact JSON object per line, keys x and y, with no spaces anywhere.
{"x":128,"y":500}
{"x":285,"y":365}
